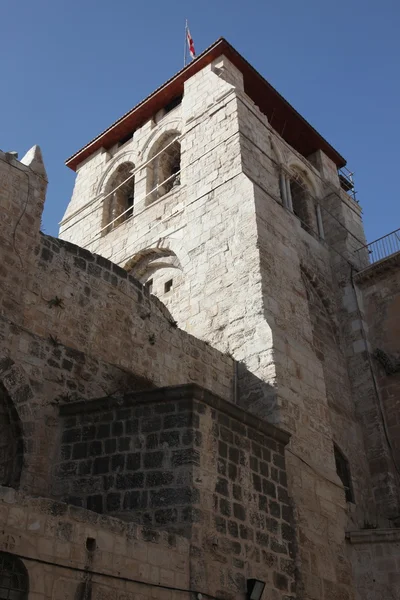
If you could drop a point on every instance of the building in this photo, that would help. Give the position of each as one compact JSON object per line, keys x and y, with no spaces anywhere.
{"x":200,"y":377}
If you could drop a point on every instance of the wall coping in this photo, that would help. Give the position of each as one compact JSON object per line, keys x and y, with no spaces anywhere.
{"x":373,"y":536}
{"x":189,"y":391}
{"x":54,"y":508}
{"x":390,"y":263}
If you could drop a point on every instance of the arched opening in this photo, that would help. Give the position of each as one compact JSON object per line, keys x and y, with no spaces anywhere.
{"x":11,"y":442}
{"x":120,"y":196}
{"x":14,"y":579}
{"x":161,"y":273}
{"x":164,"y":170}
{"x":303,"y":205}
{"x":343,"y":470}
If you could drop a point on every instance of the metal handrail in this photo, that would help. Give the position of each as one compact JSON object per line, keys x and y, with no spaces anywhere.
{"x":383,"y":247}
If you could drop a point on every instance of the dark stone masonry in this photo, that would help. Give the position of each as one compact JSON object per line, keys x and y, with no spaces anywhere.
{"x":183,"y":460}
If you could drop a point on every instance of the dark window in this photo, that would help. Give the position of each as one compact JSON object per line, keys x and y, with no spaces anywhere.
{"x":164,"y":170}
{"x":300,"y":204}
{"x":343,"y":470}
{"x":173,"y":104}
{"x":125,"y":139}
{"x":14,"y":581}
{"x":149,"y":286}
{"x":168,"y":286}
{"x":120,"y":195}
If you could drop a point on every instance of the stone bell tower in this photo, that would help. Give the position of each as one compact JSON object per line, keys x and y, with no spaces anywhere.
{"x":227,"y":205}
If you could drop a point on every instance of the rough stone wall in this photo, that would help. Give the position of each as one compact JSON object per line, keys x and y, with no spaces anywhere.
{"x":375,"y":558}
{"x":79,"y":325}
{"x":380,"y":289}
{"x":73,"y":325}
{"x":186,"y":461}
{"x":73,"y":554}
{"x":241,"y":288}
{"x":281,"y":300}
{"x":132,"y":457}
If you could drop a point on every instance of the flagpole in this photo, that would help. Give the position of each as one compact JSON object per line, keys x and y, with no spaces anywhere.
{"x":185,"y":49}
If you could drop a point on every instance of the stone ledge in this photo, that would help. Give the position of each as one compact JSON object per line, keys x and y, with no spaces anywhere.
{"x":392,"y":262}
{"x":181,"y":392}
{"x":55,"y":508}
{"x":373,"y":536}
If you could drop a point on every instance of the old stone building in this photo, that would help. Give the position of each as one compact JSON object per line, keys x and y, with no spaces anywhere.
{"x":199,"y":380}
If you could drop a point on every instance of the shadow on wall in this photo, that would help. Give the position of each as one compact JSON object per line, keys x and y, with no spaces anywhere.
{"x":11,"y":442}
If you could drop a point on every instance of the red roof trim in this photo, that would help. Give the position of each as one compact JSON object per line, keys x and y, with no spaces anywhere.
{"x":282,"y":116}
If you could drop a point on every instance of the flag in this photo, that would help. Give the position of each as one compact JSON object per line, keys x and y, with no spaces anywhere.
{"x":190,"y":43}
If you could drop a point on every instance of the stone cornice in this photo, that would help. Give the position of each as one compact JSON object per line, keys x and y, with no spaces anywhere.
{"x":373,"y":536}
{"x":181,"y":392}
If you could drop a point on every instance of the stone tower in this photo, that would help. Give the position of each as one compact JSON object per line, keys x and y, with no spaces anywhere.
{"x":222,"y":200}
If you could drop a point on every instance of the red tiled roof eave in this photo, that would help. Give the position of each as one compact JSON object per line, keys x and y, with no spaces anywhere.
{"x":285,"y":119}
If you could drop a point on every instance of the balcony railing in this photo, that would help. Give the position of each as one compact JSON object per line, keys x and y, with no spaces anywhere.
{"x":347,"y":182}
{"x":382,"y":248}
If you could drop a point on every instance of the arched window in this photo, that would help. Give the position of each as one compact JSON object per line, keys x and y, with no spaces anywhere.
{"x":343,"y":470}
{"x":14,"y":580}
{"x":164,"y":169}
{"x":11,"y":444}
{"x":303,"y":204}
{"x":120,"y":196}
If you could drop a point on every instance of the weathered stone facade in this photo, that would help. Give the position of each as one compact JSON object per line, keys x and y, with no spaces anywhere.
{"x":225,"y":224}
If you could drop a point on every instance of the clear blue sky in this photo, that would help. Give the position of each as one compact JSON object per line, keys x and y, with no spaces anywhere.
{"x":69,"y":69}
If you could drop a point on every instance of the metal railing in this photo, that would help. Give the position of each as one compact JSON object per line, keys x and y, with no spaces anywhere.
{"x":347,"y":182}
{"x":382,"y":247}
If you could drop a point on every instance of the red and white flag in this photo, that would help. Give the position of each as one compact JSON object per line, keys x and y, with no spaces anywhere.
{"x":190,"y":43}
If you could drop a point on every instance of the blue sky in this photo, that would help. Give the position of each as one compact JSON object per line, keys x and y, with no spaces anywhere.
{"x":69,"y":69}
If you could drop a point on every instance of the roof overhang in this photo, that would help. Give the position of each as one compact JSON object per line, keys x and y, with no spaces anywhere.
{"x":282,"y":116}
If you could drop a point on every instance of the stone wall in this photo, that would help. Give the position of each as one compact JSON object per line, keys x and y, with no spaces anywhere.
{"x":380,"y":297}
{"x":240,"y":285}
{"x":73,"y":325}
{"x":375,"y":558}
{"x":71,"y":553}
{"x":183,"y":460}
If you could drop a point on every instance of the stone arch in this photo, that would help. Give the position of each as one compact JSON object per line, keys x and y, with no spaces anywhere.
{"x":169,"y":125}
{"x":297,"y":168}
{"x":302,"y":200}
{"x":144,"y":263}
{"x":126,"y":156}
{"x":164,"y":165}
{"x":15,"y":384}
{"x":14,"y":578}
{"x":11,"y":442}
{"x":119,"y":196}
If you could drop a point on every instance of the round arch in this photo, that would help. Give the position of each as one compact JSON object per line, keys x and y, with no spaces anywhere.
{"x":119,"y":196}
{"x":297,"y":168}
{"x":17,"y":394}
{"x":126,"y":156}
{"x":170,"y":126}
{"x":14,"y":578}
{"x":149,"y":260}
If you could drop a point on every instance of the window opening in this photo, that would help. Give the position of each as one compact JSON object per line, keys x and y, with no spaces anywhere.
{"x":173,"y":104}
{"x":168,"y":286}
{"x":14,"y":580}
{"x":125,"y":139}
{"x":300,"y":204}
{"x":164,"y":170}
{"x":343,"y":470}
{"x":149,"y":286}
{"x":119,"y":205}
